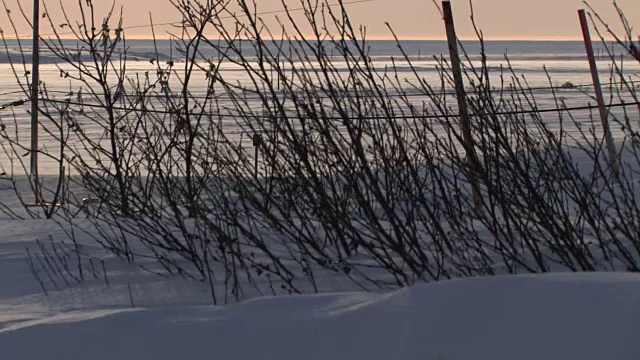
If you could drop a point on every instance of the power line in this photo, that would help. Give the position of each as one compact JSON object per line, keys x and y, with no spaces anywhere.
{"x":12,"y":92}
{"x":273,"y":12}
{"x":182,"y":23}
{"x":341,"y":118}
{"x":388,"y":95}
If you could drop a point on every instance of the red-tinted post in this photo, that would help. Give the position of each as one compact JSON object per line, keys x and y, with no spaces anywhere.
{"x":465,"y":121}
{"x":613,"y":158}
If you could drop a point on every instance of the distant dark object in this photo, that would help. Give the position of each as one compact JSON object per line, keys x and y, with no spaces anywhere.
{"x":568,"y":85}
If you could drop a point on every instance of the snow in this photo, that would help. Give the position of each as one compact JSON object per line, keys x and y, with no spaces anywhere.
{"x":568,"y":316}
{"x":138,"y":315}
{"x":586,"y":316}
{"x":549,"y":316}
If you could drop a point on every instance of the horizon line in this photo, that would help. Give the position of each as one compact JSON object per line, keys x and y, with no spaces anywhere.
{"x":532,"y":39}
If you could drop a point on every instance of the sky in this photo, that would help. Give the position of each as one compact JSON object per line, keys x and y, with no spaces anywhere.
{"x":410,"y":19}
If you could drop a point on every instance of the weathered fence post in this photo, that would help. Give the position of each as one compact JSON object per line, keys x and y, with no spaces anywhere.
{"x":613,"y":158}
{"x":257,"y":141}
{"x":63,"y":187}
{"x":35,"y":80}
{"x":465,"y":120}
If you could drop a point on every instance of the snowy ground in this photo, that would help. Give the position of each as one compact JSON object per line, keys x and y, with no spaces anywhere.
{"x":129,"y":313}
{"x":554,"y":316}
{"x":138,"y":315}
{"x":569,"y":316}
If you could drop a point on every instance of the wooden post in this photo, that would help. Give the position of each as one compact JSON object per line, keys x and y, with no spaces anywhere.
{"x":257,"y":141}
{"x":35,"y":79}
{"x":613,"y":158}
{"x":465,"y":121}
{"x":63,"y":188}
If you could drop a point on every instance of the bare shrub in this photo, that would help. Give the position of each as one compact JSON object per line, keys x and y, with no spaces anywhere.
{"x":322,"y":167}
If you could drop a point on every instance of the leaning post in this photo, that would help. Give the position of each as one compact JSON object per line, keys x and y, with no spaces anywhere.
{"x":465,"y":120}
{"x":613,"y":158}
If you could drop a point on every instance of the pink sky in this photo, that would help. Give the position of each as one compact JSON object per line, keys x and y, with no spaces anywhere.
{"x":416,"y":19}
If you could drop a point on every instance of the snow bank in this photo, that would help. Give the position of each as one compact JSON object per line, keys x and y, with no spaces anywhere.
{"x":557,"y":316}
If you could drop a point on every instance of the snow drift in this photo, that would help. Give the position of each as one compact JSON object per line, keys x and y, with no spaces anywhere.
{"x":557,"y":316}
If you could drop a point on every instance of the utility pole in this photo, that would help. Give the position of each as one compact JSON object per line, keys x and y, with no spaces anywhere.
{"x":35,"y":79}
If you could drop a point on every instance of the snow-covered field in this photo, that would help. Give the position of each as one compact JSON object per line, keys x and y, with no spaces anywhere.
{"x":105,"y":308}
{"x":141,"y":316}
{"x":120,"y":311}
{"x":568,"y":316}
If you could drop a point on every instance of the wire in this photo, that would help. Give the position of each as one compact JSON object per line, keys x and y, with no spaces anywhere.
{"x":398,"y":94}
{"x":12,"y":92}
{"x":342,"y":118}
{"x":182,"y":23}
